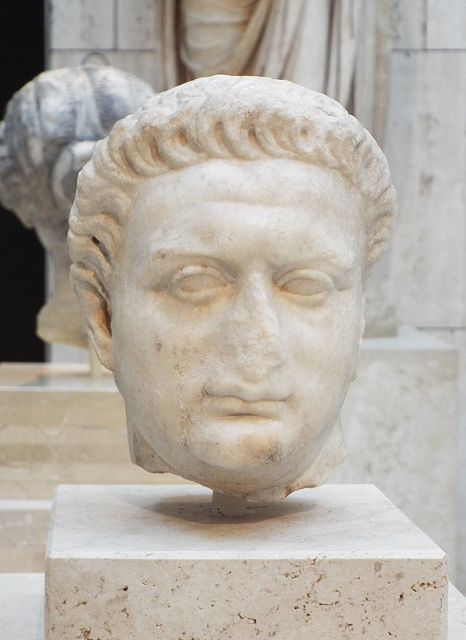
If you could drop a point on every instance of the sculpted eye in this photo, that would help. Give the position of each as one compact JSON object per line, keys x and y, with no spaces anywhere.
{"x":197,"y":284}
{"x":307,"y":286}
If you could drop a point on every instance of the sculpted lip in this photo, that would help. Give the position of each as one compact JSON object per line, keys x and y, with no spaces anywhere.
{"x":230,"y":406}
{"x":250,"y":395}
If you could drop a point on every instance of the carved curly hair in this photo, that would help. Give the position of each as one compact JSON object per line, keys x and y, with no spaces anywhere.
{"x":57,"y":110}
{"x":243,"y":118}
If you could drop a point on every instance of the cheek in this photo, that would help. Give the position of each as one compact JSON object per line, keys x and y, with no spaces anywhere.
{"x":325,"y":345}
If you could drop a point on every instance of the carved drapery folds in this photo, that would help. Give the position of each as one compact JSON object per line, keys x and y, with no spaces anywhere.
{"x":337,"y":47}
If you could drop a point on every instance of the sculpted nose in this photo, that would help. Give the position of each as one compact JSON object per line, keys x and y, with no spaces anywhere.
{"x":255,"y":330}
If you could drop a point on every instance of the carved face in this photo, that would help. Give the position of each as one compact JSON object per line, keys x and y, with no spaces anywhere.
{"x":236,"y":319}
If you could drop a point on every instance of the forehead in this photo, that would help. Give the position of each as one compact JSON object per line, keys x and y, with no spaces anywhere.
{"x":226,"y":207}
{"x":265,"y":182}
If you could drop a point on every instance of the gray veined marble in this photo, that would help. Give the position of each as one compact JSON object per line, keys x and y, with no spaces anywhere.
{"x":48,"y":133}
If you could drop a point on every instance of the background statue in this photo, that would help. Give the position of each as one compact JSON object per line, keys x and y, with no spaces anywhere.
{"x":48,"y":133}
{"x":221,"y":239}
{"x":337,"y":47}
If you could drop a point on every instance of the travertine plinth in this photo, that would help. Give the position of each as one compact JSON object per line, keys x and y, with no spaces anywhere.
{"x":340,"y":562}
{"x":22,"y":604}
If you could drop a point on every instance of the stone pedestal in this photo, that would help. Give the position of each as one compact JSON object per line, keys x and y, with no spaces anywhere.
{"x":143,"y":562}
{"x":22,"y":608}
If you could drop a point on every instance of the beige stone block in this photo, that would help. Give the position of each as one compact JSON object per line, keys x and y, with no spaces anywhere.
{"x":446,"y":24}
{"x":409,"y":24}
{"x":136,"y":24}
{"x":39,"y":479}
{"x":81,"y":24}
{"x":58,"y":426}
{"x":141,"y":63}
{"x":400,"y":422}
{"x":22,"y":608}
{"x":24,"y":527}
{"x":65,"y":353}
{"x":337,"y":561}
{"x":426,"y":149}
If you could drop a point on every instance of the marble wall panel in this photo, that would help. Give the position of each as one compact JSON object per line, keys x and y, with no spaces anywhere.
{"x":136,"y":24}
{"x":141,"y":63}
{"x":400,"y":422}
{"x":409,"y":24}
{"x":460,"y":342}
{"x":425,"y":146}
{"x":446,"y":24}
{"x":81,"y":24}
{"x":457,"y":337}
{"x":58,"y":352}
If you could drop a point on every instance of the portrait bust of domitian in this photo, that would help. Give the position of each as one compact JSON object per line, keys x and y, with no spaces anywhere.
{"x":221,"y":240}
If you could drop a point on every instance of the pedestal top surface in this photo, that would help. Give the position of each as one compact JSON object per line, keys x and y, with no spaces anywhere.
{"x":334,"y":521}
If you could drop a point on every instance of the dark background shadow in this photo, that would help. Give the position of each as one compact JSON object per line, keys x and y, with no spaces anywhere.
{"x":21,"y":255}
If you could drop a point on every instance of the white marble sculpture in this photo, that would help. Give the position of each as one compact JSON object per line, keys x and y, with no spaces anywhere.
{"x":221,"y":240}
{"x":48,"y":133}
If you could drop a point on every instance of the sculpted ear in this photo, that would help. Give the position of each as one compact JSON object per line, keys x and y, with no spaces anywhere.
{"x":95,"y":307}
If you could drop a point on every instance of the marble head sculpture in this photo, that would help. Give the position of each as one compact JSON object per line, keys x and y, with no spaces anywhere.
{"x":48,"y":133}
{"x":221,"y":240}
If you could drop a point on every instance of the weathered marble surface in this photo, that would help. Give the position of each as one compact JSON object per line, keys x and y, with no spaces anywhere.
{"x":222,"y":238}
{"x":157,"y":563}
{"x":48,"y":132}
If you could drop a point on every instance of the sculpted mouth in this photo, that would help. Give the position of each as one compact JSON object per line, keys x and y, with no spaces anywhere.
{"x":230,"y":406}
{"x":249,"y":395}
